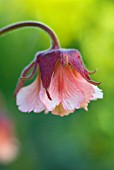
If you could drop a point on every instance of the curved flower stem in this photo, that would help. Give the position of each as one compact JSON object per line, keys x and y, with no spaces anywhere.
{"x":55,"y":42}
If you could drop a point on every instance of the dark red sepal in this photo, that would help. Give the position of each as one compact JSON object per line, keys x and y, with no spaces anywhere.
{"x":74,"y":58}
{"x":47,"y":61}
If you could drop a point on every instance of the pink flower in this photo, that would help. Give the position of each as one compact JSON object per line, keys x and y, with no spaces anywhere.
{"x":8,"y":141}
{"x":62,"y":85}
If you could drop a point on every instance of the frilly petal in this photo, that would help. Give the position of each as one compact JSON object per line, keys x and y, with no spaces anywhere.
{"x":28,"y":100}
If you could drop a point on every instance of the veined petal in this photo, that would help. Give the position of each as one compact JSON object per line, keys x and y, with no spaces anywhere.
{"x":54,"y":94}
{"x":71,"y":95}
{"x":63,"y":88}
{"x":91,"y":92}
{"x":28,"y":98}
{"x":68,"y":91}
{"x":86,"y":88}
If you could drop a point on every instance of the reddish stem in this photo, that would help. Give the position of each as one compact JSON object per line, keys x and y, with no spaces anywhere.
{"x":55,"y":42}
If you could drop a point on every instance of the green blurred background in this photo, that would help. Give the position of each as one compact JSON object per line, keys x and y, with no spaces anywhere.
{"x":83,"y":140}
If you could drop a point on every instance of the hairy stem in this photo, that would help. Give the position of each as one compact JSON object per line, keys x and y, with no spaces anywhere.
{"x":55,"y":42}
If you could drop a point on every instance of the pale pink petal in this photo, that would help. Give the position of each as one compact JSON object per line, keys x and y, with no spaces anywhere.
{"x":54,"y":94}
{"x":85,"y":105}
{"x":63,"y":89}
{"x":71,"y":94}
{"x":70,"y":89}
{"x":87,"y":90}
{"x":90,"y":91}
{"x":46,"y":111}
{"x":98,"y":93}
{"x":28,"y":98}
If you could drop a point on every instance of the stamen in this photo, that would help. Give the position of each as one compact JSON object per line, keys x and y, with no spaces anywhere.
{"x":66,"y":60}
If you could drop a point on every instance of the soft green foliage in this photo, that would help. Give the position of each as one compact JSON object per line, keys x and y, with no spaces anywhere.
{"x":83,"y":140}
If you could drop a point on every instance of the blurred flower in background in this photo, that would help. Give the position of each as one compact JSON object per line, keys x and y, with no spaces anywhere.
{"x":9,"y":145}
{"x":8,"y":141}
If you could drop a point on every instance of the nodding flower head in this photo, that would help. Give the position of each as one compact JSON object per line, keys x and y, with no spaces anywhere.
{"x":62,"y":85}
